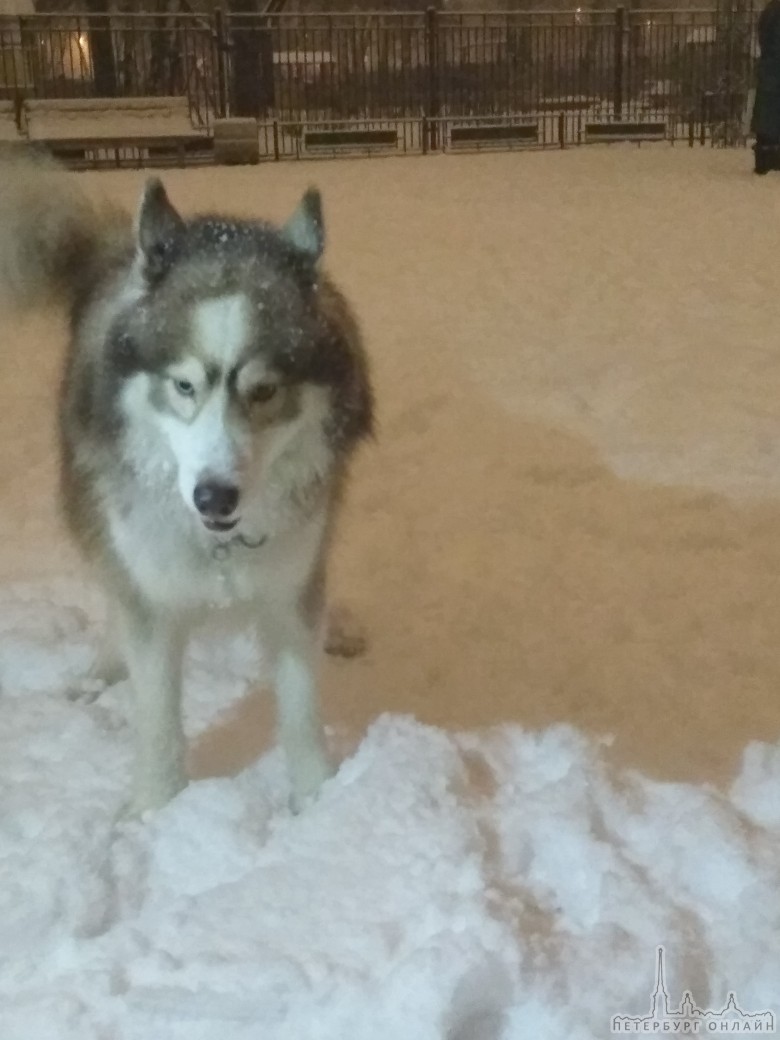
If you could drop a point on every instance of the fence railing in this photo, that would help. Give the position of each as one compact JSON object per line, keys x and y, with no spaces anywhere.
{"x":303,"y":69}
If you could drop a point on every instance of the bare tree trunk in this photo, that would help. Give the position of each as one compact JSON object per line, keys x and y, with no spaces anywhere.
{"x":101,"y":48}
{"x":166,"y":49}
{"x":252,"y":62}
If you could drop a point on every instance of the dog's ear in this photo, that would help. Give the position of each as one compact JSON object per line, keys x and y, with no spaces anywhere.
{"x":158,"y":227}
{"x":305,"y":230}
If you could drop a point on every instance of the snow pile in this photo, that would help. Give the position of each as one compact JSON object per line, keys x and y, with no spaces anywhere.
{"x":479,"y":886}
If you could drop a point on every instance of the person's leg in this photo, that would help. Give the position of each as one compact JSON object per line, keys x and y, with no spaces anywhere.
{"x":764,"y":155}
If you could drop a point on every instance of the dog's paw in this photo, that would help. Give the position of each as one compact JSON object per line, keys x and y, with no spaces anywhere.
{"x":97,"y":680}
{"x":86,"y":690}
{"x":149,"y":799}
{"x":309,"y":778}
{"x":128,"y":813}
{"x":345,"y":636}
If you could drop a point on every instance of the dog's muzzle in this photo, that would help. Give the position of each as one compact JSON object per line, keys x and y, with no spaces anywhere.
{"x":216,"y":502}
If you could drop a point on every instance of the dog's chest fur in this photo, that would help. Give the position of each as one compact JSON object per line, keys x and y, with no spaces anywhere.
{"x":176,"y":566}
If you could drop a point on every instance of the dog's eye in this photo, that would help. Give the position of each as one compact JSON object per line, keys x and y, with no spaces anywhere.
{"x":262,"y":392}
{"x":184,"y":387}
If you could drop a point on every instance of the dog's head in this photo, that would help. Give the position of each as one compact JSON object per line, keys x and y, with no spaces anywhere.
{"x":243,"y":360}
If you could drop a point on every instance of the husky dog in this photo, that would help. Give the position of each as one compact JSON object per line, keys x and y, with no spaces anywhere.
{"x":214,"y":391}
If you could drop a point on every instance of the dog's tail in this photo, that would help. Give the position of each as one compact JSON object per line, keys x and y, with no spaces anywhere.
{"x":53,"y":239}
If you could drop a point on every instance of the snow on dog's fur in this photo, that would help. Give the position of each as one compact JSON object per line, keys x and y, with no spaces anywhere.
{"x":214,"y":391}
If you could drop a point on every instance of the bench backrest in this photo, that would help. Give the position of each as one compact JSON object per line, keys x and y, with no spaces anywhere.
{"x":8,"y":128}
{"x":63,"y":119}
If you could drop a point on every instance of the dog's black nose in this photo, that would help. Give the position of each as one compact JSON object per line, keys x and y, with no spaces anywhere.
{"x":214,"y":499}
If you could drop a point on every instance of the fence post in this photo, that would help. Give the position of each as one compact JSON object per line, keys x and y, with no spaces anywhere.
{"x":19,"y":87}
{"x":620,"y":32}
{"x":220,"y":45}
{"x":432,"y":62}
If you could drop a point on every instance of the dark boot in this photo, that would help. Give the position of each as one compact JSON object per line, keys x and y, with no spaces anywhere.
{"x":767,"y":151}
{"x":765,"y":156}
{"x":763,"y":162}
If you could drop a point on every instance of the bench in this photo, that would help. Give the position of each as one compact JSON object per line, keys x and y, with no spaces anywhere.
{"x":494,"y":135}
{"x":83,"y":130}
{"x":342,"y":140}
{"x":624,"y":130}
{"x":9,"y":131}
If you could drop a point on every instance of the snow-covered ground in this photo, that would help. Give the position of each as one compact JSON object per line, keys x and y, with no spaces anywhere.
{"x":561,"y":749}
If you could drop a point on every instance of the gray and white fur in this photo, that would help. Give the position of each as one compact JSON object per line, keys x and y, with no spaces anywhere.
{"x":214,"y":390}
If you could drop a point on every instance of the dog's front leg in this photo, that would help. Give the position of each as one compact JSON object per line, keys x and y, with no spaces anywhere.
{"x":295,"y":648}
{"x":108,"y":667}
{"x":153,"y":647}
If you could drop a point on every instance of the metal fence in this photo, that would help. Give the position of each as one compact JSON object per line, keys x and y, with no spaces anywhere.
{"x":418,"y":75}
